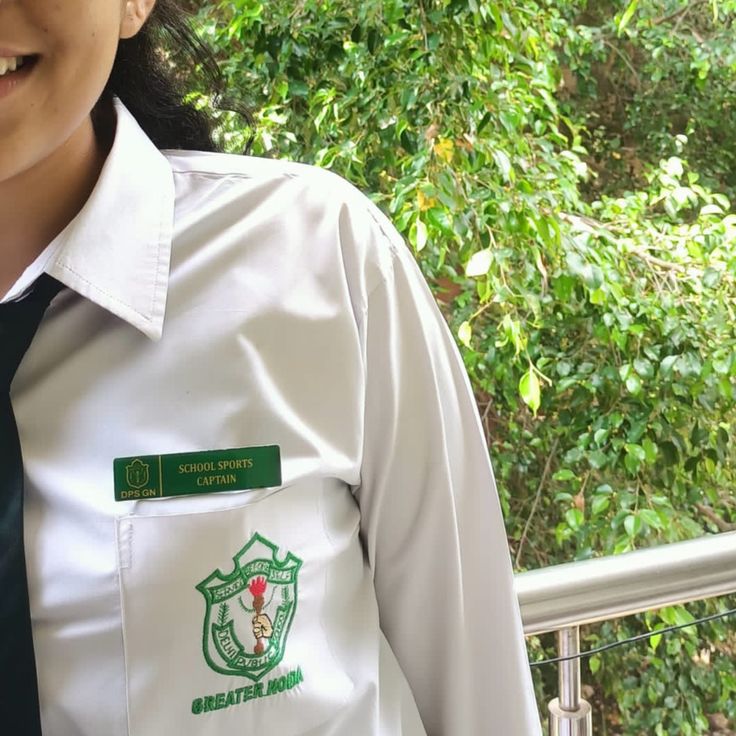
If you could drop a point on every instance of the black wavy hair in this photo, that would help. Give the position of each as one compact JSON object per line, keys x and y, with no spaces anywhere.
{"x":153,"y":89}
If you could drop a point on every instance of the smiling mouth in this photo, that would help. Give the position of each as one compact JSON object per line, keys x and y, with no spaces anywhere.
{"x":27,"y":59}
{"x":27,"y":63}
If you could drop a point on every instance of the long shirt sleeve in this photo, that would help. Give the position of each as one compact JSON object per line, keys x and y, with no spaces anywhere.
{"x":431,"y":521}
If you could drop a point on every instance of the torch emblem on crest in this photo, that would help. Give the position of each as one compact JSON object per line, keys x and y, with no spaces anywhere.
{"x":262,"y":626}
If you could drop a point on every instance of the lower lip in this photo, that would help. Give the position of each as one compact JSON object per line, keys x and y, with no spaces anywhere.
{"x":11,"y":82}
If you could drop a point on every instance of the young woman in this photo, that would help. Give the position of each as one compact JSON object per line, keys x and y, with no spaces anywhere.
{"x":257,"y":494}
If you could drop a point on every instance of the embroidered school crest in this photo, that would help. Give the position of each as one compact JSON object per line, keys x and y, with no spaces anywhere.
{"x":249,"y":611}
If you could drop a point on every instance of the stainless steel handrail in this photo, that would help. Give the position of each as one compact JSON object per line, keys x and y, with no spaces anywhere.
{"x":563,"y":597}
{"x":600,"y":589}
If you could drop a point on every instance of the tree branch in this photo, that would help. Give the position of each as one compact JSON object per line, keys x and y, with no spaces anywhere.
{"x":672,"y":16}
{"x":711,"y":515}
{"x":542,"y":483}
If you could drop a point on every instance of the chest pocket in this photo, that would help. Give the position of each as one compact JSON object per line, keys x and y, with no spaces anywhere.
{"x":229,"y":621}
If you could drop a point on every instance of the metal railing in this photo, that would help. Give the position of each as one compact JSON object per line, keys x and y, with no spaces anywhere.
{"x":564,"y":597}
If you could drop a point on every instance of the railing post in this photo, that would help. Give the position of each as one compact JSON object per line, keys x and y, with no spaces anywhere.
{"x":570,"y":714}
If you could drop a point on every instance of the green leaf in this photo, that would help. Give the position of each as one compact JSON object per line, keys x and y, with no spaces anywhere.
{"x":711,"y":209}
{"x":711,"y":277}
{"x":651,"y":517}
{"x":667,"y":364}
{"x":633,"y":384}
{"x":644,"y":367}
{"x":631,"y":464}
{"x":479,"y":263}
{"x":636,"y":451}
{"x":421,"y":235}
{"x":673,"y":166}
{"x":574,"y":518}
{"x":597,"y":296}
{"x":670,"y":453}
{"x":298,"y":88}
{"x":600,"y":436}
{"x":504,"y":164}
{"x":654,"y":640}
{"x":440,"y":219}
{"x":600,"y":504}
{"x":722,"y":365}
{"x":627,"y":16}
{"x":597,"y":459}
{"x":650,"y":451}
{"x":530,"y":389}
{"x":593,"y":278}
{"x":682,"y":617}
{"x":464,"y":333}
{"x":632,"y":525}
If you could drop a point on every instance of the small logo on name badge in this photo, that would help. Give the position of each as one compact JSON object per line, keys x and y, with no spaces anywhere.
{"x":137,"y":473}
{"x":250,"y":610}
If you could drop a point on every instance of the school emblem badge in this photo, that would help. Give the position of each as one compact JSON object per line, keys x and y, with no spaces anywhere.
{"x":137,"y":473}
{"x":250,"y":610}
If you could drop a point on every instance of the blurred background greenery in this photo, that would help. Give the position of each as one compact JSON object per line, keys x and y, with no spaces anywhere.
{"x":564,"y":172}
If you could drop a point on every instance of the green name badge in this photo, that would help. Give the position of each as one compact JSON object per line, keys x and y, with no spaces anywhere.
{"x":185,"y":473}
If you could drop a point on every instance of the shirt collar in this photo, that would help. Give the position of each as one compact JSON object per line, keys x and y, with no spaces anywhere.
{"x":116,"y":251}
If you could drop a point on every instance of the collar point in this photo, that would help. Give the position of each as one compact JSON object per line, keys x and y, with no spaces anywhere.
{"x":152,"y":330}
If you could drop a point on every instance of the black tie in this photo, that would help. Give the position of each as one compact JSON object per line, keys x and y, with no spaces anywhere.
{"x":19,"y":710}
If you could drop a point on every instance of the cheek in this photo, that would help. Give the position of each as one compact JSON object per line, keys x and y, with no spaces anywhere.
{"x":77,"y":40}
{"x":84,"y":62}
{"x":72,"y":77}
{"x":27,"y":126}
{"x":83,"y":37}
{"x":57,"y":100}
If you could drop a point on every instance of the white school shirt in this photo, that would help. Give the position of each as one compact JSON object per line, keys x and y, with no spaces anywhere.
{"x":218,"y":301}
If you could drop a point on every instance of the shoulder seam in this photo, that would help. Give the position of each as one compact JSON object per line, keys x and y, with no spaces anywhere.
{"x":380,"y":224}
{"x":393,"y":250}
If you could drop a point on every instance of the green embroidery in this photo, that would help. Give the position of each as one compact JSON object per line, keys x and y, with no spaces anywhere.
{"x":250,"y":611}
{"x":223,"y":615}
{"x":242,"y":695}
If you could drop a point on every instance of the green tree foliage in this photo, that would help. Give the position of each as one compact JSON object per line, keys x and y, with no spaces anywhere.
{"x":655,"y":70}
{"x":594,"y":303}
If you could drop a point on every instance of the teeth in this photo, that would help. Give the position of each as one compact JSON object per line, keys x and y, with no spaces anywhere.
{"x":10,"y":65}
